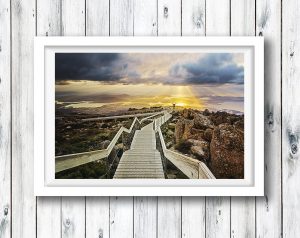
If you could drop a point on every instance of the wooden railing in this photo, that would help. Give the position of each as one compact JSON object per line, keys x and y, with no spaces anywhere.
{"x":69,"y":161}
{"x":192,"y":168}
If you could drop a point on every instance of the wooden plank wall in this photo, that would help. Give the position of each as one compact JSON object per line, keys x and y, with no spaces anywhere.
{"x":274,"y":215}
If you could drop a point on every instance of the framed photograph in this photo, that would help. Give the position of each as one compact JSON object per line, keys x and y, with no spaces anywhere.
{"x":149,"y":116}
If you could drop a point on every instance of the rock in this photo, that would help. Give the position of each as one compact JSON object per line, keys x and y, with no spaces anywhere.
{"x":104,"y":144}
{"x":200,"y":149}
{"x":197,"y":134}
{"x":207,"y":135}
{"x":202,"y":122}
{"x":239,"y":124}
{"x":227,"y":152}
{"x":183,"y":129}
{"x":188,"y":114}
{"x":206,"y":112}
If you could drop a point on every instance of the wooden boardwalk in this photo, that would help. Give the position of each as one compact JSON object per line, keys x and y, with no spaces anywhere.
{"x":142,"y":160}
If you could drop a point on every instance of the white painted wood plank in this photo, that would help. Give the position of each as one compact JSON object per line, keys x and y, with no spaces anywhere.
{"x":145,"y":17}
{"x":73,"y":17}
{"x":290,"y":117}
{"x":193,"y":17}
{"x":97,"y":18}
{"x":242,"y":208}
{"x":217,"y":208}
{"x":268,"y":208}
{"x":48,"y":18}
{"x":193,"y":208}
{"x":48,"y":217}
{"x":169,"y":217}
{"x":145,"y":217}
{"x":97,"y":208}
{"x":242,"y":18}
{"x":23,"y":200}
{"x":193,"y":217}
{"x":121,"y":217}
{"x":73,"y":217}
{"x":5,"y":121}
{"x":169,"y":17}
{"x":217,"y":217}
{"x":48,"y":208}
{"x":217,"y":17}
{"x":97,"y":217}
{"x":73,"y":208}
{"x":121,"y":17}
{"x":242,"y":217}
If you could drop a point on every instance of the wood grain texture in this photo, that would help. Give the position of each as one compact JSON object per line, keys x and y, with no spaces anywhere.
{"x":23,"y":200}
{"x":193,"y":17}
{"x":217,"y":217}
{"x":5,"y":121}
{"x":217,"y":18}
{"x":48,"y":209}
{"x":169,"y":17}
{"x":268,"y":208}
{"x":242,"y":208}
{"x":73,"y":17}
{"x":97,"y":217}
{"x":145,"y":217}
{"x":97,"y":18}
{"x":193,"y":217}
{"x":169,"y":217}
{"x":48,"y":223}
{"x":218,"y":208}
{"x":121,"y":17}
{"x":121,"y":217}
{"x":145,"y":17}
{"x":290,"y":117}
{"x":73,"y":217}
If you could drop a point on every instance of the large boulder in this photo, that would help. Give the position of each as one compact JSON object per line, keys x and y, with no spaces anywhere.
{"x":202,"y":122}
{"x":183,"y":129}
{"x":200,"y":149}
{"x":227,"y":152}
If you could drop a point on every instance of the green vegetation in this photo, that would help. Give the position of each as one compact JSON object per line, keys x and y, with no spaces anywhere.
{"x":93,"y":170}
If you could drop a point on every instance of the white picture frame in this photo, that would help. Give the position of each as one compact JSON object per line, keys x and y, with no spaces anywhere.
{"x":45,"y":183}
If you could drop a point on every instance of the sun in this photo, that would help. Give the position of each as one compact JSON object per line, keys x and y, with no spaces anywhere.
{"x":181,"y":104}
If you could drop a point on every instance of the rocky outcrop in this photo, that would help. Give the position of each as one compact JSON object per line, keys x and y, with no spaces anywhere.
{"x":183,"y":129}
{"x":227,"y":152}
{"x":200,"y":149}
{"x":202,"y":122}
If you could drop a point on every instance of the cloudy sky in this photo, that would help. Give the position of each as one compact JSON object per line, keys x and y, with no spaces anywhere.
{"x":212,"y":80}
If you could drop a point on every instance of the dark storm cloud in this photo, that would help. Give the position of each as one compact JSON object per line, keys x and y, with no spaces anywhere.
{"x":87,"y":66}
{"x":211,"y":69}
{"x":96,"y":98}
